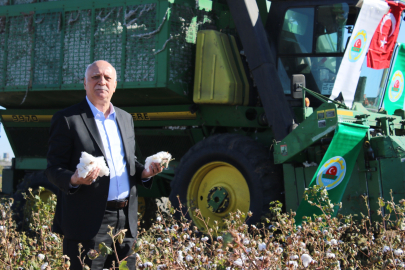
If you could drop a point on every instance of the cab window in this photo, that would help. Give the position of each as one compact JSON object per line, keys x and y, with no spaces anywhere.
{"x":312,"y":42}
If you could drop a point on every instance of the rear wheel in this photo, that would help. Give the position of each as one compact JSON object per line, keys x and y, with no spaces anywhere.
{"x":147,"y":207}
{"x":225,"y":173}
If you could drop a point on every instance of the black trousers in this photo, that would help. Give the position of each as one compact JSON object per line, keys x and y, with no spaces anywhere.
{"x":115,"y":218}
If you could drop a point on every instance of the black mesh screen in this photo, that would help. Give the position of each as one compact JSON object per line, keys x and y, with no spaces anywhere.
{"x":29,"y":141}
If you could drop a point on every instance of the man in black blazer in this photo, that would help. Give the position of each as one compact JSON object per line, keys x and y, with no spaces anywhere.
{"x":86,"y":206}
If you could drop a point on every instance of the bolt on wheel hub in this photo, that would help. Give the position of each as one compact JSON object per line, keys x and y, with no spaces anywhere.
{"x":218,"y":200}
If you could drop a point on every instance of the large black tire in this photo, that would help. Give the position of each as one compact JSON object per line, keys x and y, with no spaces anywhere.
{"x":253,"y":161}
{"x":148,"y":209}
{"x":32,"y":180}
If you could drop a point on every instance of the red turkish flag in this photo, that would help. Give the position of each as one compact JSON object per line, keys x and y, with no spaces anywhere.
{"x":383,"y":43}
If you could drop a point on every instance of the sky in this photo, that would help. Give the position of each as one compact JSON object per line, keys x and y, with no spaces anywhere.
{"x":4,"y":144}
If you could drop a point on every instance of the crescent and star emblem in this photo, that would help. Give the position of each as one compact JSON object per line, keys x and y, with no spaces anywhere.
{"x":387,"y":17}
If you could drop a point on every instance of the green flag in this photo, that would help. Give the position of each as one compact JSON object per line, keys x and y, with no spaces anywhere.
{"x":336,"y":167}
{"x":394,"y":98}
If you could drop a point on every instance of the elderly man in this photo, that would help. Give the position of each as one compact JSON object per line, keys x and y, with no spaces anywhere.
{"x":87,"y":206}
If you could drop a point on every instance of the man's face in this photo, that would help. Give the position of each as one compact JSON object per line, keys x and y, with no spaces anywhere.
{"x":100,"y":82}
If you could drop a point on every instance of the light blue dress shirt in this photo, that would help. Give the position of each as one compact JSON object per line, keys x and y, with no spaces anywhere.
{"x":114,"y":151}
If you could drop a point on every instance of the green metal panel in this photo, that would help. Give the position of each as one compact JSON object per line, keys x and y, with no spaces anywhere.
{"x":383,"y":146}
{"x":309,"y":173}
{"x":300,"y":178}
{"x":374,"y":188}
{"x":7,"y":181}
{"x":316,"y":126}
{"x":22,"y":163}
{"x":352,"y":200}
{"x":150,"y":43}
{"x":393,"y":178}
{"x":290,"y":186}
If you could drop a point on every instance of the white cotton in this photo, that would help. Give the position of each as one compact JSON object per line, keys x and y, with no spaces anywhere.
{"x":189,"y":258}
{"x":262,"y":246}
{"x":330,"y":255}
{"x":238,"y":262}
{"x":44,"y":266}
{"x":158,"y":158}
{"x":148,"y":264}
{"x":306,"y":260}
{"x":41,"y":257}
{"x":180,"y":255}
{"x":398,"y":252}
{"x":333,"y":242}
{"x":88,"y":163}
{"x":294,"y":257}
{"x":386,"y":249}
{"x":294,"y":264}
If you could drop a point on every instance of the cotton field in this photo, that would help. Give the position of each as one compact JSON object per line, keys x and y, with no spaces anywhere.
{"x":173,"y":242}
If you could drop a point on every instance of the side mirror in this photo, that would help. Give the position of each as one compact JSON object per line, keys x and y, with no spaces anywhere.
{"x":297,"y":82}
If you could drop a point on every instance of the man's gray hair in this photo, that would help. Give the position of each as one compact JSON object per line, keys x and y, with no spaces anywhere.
{"x":85,"y":73}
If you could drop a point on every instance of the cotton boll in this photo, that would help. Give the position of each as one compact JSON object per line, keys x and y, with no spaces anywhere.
{"x":294,"y":257}
{"x":157,"y":158}
{"x":398,"y":252}
{"x":262,"y":246}
{"x":104,"y":171}
{"x":88,"y":163}
{"x":386,"y":249}
{"x":306,"y":260}
{"x":292,"y":264}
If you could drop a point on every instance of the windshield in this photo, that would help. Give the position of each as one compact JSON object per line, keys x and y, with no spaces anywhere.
{"x":312,"y":42}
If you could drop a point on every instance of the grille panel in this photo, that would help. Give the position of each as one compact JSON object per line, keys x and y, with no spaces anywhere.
{"x":28,"y":141}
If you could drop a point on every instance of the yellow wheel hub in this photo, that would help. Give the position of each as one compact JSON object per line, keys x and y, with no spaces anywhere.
{"x":45,"y":195}
{"x":217,"y":189}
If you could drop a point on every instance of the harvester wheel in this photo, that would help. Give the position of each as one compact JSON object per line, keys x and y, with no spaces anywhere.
{"x":222,"y":174}
{"x":32,"y":180}
{"x":147,"y":208}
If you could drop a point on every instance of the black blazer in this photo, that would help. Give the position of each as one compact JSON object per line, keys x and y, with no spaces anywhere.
{"x":79,"y":212}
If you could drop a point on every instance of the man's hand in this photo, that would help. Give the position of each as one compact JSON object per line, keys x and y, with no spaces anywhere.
{"x":88,"y":180}
{"x":154,"y":169}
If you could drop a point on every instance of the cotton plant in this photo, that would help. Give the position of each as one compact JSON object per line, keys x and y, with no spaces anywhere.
{"x":163,"y":158}
{"x":320,"y":242}
{"x":89,"y":162}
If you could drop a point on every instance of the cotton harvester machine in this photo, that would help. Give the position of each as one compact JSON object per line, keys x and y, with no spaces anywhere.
{"x":218,"y":84}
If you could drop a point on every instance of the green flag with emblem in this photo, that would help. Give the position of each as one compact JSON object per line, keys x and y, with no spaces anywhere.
{"x":336,"y":167}
{"x":394,"y":98}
